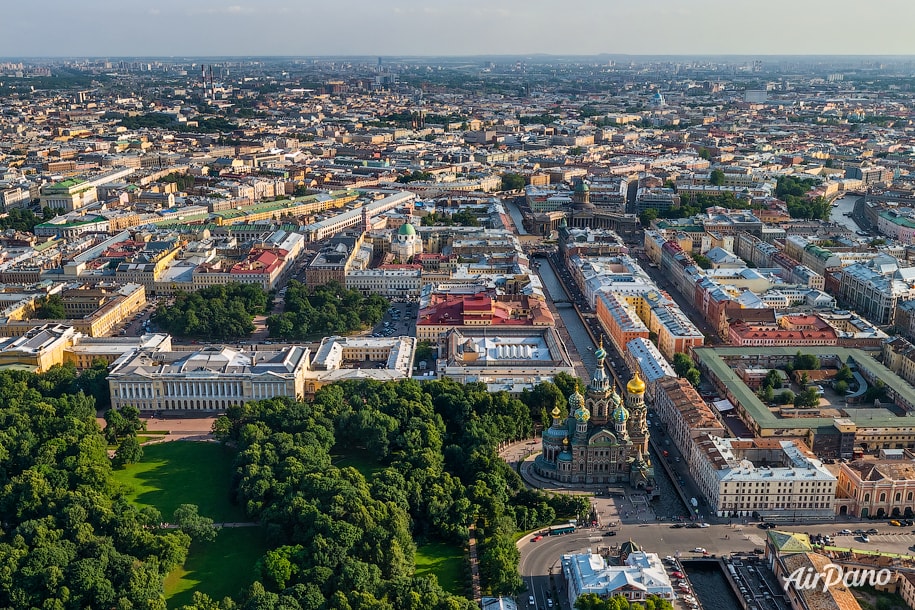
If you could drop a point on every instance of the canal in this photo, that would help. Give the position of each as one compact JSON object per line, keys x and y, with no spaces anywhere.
{"x":709,"y":585}
{"x":846,"y":205}
{"x":668,"y":505}
{"x":576,"y":328}
{"x":515,"y":213}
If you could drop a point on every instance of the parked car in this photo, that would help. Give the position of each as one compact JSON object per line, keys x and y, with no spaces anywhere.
{"x":699,"y":549}
{"x":865,"y":538}
{"x":845,"y":533}
{"x":537,"y":538}
{"x":872,"y":530}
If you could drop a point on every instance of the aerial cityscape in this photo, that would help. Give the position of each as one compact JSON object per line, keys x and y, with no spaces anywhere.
{"x":415,"y":323}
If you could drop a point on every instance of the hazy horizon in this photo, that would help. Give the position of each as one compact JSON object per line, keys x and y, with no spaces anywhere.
{"x":267,"y":28}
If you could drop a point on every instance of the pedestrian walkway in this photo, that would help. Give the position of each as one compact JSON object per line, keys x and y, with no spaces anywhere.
{"x":476,"y":589}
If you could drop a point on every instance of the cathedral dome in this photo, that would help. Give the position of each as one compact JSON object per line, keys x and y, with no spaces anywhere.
{"x":576,"y":401}
{"x":406,"y":229}
{"x":582,"y":414}
{"x":636,"y":385}
{"x":615,"y":398}
{"x":620,"y":415}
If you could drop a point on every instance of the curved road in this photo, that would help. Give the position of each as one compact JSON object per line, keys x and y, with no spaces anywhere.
{"x":540,"y":561}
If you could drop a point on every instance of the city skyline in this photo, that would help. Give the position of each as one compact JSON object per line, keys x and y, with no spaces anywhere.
{"x":471,"y":28}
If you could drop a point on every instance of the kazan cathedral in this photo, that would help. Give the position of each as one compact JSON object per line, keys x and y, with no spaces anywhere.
{"x":603,"y":441}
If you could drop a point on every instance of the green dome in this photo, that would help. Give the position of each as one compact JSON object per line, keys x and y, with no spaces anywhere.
{"x":620,"y":414}
{"x":582,"y":414}
{"x":406,"y":229}
{"x":576,"y":401}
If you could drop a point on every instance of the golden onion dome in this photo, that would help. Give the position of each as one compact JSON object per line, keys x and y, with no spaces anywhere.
{"x":636,"y":385}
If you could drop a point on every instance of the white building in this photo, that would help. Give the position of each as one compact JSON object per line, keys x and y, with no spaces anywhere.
{"x":391,"y":283}
{"x":641,"y":355}
{"x":342,"y":358}
{"x":211,"y":379}
{"x":406,"y":244}
{"x":874,"y":288}
{"x":779,"y":480}
{"x":510,"y":359}
{"x":641,"y":576}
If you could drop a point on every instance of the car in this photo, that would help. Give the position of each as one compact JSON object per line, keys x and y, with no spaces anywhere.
{"x":908,"y":522}
{"x":864,"y":538}
{"x":549,"y":602}
{"x":845,"y":533}
{"x":610,"y":533}
{"x":699,"y":549}
{"x":858,"y":532}
{"x":692,"y":526}
{"x":677,"y":574}
{"x":895,"y":523}
{"x":872,"y":530}
{"x":537,"y":538}
{"x":530,"y":600}
{"x":676,"y":526}
{"x":704,"y":525}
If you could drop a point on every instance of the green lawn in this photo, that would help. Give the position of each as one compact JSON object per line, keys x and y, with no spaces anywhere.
{"x":446,"y":561}
{"x":220,"y":568}
{"x":182,"y":472}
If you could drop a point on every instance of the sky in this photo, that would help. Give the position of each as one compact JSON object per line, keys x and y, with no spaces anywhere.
{"x":163,"y":28}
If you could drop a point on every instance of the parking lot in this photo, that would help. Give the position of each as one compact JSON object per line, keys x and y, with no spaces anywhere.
{"x":400,"y":319}
{"x":136,"y":325}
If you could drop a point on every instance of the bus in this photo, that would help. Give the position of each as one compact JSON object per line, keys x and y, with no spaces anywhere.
{"x":559,"y":530}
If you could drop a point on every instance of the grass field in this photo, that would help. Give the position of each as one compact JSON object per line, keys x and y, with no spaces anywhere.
{"x":445,"y":561}
{"x":220,"y":568}
{"x":182,"y":472}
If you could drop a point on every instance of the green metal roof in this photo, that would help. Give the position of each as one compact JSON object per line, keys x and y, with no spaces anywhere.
{"x":712,"y":358}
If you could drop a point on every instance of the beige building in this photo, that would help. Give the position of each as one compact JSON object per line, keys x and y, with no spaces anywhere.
{"x":789,"y":553}
{"x":778,"y":480}
{"x":50,"y":345}
{"x":92,"y":309}
{"x":211,"y":379}
{"x":684,"y":413}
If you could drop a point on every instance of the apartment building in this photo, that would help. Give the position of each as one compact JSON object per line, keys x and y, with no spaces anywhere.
{"x":777,"y":480}
{"x":685,"y":414}
{"x":873,"y":289}
{"x":388,"y":282}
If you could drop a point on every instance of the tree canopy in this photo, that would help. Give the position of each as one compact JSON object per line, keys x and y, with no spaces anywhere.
{"x":344,"y":540}
{"x":216,"y":312}
{"x":69,"y":540}
{"x":325,"y":310}
{"x":50,"y":308}
{"x":793,"y":191}
{"x":512,"y":182}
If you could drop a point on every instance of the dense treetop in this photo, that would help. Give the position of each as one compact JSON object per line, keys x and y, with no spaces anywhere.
{"x":68,"y":539}
{"x":346,"y":542}
{"x":325,"y":310}
{"x":217,"y":312}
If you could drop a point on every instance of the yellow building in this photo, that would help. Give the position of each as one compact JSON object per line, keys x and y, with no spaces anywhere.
{"x":94,"y":309}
